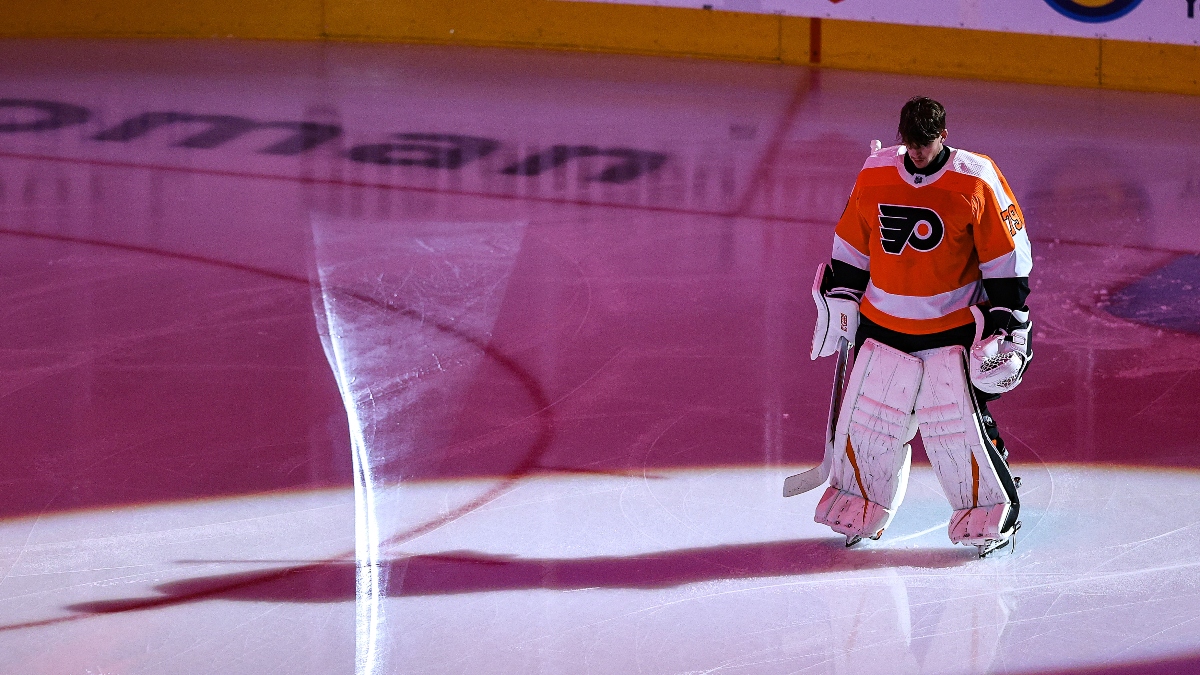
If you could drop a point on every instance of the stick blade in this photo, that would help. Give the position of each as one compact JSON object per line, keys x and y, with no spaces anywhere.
{"x":804,"y":482}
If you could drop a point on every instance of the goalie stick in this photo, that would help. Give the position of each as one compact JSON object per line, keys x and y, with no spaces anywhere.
{"x":816,"y":476}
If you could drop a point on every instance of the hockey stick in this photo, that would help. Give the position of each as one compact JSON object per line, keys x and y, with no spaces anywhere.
{"x":816,"y":476}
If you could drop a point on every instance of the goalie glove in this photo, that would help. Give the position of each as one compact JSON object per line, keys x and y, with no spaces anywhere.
{"x":837,"y":314}
{"x":1002,"y":349}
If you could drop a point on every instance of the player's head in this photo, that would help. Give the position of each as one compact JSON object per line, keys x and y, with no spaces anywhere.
{"x":922,"y":128}
{"x":922,"y":120}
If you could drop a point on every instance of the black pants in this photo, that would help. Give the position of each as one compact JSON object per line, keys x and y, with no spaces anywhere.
{"x":963,"y":336}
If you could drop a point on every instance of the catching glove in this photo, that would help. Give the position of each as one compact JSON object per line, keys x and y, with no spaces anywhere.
{"x":1002,"y":348}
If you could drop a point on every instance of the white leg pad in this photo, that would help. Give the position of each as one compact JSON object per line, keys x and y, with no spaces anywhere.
{"x":852,"y":515}
{"x":954,"y":440}
{"x":979,"y":525}
{"x":869,"y":472}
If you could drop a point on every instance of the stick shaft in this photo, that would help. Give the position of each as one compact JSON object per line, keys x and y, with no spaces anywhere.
{"x":816,"y":476}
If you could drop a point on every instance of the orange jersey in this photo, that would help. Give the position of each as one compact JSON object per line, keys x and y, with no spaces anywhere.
{"x":929,"y":241}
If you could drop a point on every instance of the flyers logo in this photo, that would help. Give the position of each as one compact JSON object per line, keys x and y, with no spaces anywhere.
{"x":901,"y":226}
{"x":1012,"y":220}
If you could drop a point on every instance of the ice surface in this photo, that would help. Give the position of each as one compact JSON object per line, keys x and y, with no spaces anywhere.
{"x":506,"y":375}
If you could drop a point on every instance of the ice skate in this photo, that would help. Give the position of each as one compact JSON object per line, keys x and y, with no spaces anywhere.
{"x":993,"y":545}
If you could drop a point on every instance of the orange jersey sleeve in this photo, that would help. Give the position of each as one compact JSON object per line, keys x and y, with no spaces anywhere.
{"x":852,"y":236}
{"x":1000,"y":237}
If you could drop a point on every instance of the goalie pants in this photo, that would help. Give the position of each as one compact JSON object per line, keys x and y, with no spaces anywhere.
{"x":963,"y":336}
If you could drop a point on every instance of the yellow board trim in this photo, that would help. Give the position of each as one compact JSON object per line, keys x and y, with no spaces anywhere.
{"x":635,"y":29}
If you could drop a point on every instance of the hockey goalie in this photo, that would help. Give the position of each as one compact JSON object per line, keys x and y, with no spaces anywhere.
{"x":927,"y":286}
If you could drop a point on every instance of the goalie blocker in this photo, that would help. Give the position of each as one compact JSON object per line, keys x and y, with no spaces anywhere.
{"x":890,"y":395}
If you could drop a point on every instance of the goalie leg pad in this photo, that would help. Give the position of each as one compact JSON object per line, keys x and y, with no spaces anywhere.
{"x":974,"y":477}
{"x":849,"y":514}
{"x":869,"y":472}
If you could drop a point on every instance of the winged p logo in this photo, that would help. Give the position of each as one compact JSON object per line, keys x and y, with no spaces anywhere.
{"x":901,"y":226}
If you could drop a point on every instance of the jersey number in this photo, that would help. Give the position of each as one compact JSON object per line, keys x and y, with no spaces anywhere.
{"x":901,"y":226}
{"x":1012,"y":220}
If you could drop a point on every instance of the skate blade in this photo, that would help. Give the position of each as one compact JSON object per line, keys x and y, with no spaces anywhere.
{"x":852,"y":540}
{"x":991,"y":547}
{"x":994,"y":545}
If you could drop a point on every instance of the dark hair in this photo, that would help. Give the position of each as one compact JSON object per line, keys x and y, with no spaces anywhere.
{"x":922,"y":119}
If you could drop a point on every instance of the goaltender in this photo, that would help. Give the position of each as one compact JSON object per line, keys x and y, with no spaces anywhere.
{"x":928,"y":282}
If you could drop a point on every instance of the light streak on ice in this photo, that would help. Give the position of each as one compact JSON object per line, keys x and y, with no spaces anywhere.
{"x":368,"y":611}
